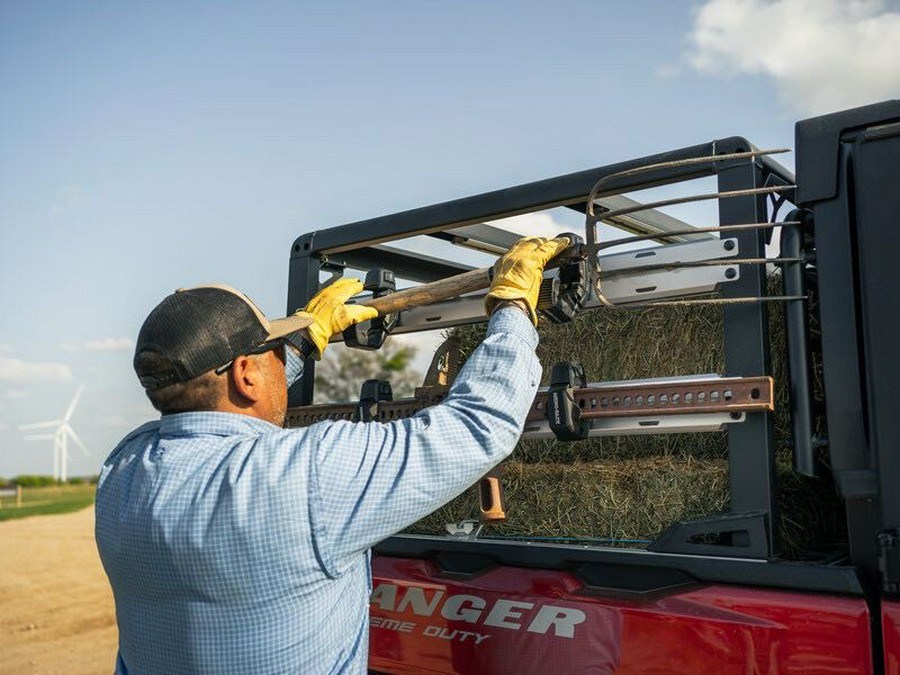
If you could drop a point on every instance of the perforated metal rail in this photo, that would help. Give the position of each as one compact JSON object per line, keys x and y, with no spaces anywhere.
{"x":712,"y":395}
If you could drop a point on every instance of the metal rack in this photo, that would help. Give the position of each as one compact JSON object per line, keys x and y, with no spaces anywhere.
{"x":748,"y":531}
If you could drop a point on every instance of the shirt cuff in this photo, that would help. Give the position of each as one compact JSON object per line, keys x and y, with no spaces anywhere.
{"x":513,"y":320}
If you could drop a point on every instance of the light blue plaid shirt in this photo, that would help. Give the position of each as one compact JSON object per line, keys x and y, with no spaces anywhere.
{"x":235,"y":546}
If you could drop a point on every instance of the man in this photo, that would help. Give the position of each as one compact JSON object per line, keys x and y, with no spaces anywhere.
{"x":236,"y":546}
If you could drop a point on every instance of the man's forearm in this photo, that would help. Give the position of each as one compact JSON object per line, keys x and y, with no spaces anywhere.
{"x":383,"y":477}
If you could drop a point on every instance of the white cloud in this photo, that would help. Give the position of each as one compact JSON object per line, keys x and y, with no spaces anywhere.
{"x":6,"y":348}
{"x":4,"y":426}
{"x":822,"y":55}
{"x":17,"y":370}
{"x":15,"y":393}
{"x":108,"y":344}
{"x":69,"y":198}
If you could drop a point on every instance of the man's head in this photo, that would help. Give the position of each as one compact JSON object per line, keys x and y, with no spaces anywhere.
{"x":210,"y":348}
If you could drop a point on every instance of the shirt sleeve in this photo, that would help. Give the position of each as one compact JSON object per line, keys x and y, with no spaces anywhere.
{"x":374,"y":479}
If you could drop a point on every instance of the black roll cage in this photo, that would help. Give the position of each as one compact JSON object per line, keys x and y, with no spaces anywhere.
{"x":846,"y":165}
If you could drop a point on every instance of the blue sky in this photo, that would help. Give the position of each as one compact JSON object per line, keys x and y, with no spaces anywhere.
{"x":146,"y":146}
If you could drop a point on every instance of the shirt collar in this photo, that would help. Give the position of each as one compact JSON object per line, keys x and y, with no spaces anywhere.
{"x":213,"y":424}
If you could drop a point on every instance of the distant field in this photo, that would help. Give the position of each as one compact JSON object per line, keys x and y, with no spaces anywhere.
{"x":41,"y":501}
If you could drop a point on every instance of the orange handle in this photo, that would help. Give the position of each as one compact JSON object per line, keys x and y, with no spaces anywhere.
{"x":490,"y":497}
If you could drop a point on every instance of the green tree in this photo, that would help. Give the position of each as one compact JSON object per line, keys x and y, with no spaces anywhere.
{"x":342,"y":371}
{"x":29,"y":480}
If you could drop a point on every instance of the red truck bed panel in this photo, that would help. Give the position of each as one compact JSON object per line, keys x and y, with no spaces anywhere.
{"x":890,"y":626}
{"x":519,"y":621}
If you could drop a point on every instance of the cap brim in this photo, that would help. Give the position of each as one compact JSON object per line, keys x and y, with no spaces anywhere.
{"x":278,"y":328}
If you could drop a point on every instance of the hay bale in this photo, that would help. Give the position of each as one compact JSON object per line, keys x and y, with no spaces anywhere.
{"x":626,"y":345}
{"x":631,"y":501}
{"x":617,"y":500}
{"x":633,"y":487}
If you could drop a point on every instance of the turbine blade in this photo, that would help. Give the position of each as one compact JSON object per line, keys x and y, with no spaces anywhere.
{"x":40,"y":425}
{"x":72,"y":405}
{"x":74,"y":437}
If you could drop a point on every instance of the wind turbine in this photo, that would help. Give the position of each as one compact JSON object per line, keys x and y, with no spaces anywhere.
{"x":60,"y":437}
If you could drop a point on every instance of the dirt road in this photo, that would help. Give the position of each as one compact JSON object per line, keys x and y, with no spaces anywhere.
{"x":56,"y":609}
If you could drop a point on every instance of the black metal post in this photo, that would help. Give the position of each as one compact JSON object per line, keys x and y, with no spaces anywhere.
{"x":796,"y":326}
{"x":851,"y":458}
{"x":750,"y":444}
{"x":303,"y":282}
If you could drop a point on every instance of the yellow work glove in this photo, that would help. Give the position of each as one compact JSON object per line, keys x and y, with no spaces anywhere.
{"x":518,"y":273}
{"x":330,"y":314}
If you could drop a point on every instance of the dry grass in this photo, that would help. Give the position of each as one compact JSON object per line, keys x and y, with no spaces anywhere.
{"x":633,"y":487}
{"x":590,"y":499}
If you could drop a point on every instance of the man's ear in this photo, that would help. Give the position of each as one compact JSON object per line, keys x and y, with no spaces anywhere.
{"x":246,"y":379}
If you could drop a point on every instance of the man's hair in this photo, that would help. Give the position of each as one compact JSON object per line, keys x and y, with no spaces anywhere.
{"x":198,"y":394}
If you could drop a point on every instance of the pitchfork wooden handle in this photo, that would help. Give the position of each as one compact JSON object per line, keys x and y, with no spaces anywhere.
{"x":451,"y":287}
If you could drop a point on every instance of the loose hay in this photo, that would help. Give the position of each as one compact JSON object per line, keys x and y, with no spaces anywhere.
{"x":589,"y":500}
{"x":633,"y":487}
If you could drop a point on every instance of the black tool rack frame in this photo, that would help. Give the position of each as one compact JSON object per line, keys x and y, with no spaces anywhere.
{"x":748,"y":554}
